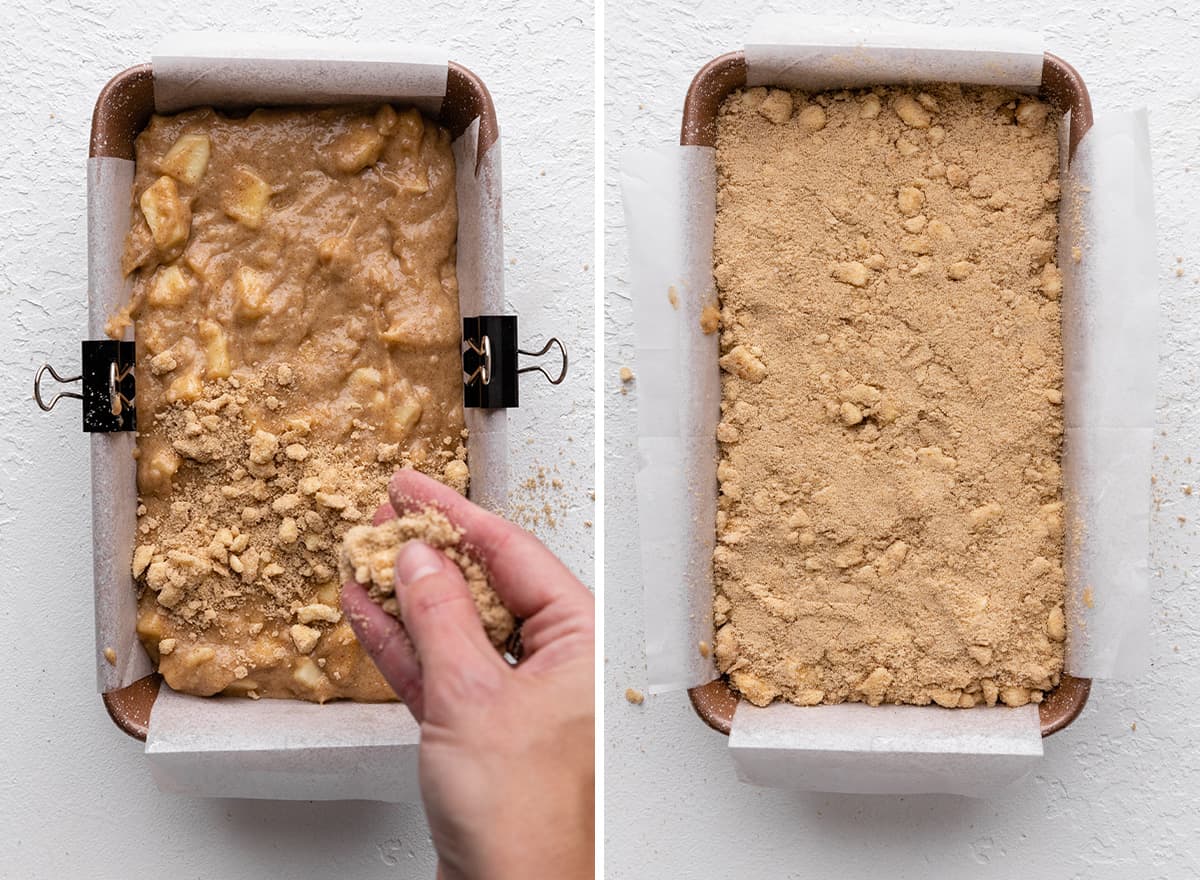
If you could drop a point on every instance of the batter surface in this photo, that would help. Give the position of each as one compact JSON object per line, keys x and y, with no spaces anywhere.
{"x":296,"y":315}
{"x":890,"y":522}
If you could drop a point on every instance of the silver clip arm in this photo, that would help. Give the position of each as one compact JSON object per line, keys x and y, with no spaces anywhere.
{"x":553,"y":341}
{"x":37,"y":387}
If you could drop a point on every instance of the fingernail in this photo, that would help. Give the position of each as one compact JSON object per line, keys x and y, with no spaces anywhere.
{"x":415,"y":561}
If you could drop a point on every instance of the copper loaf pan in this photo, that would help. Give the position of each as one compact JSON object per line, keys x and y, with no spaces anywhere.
{"x":122,"y":111}
{"x":1063,"y":88}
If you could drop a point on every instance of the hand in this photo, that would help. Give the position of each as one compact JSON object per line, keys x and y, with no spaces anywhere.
{"x":507,"y":763}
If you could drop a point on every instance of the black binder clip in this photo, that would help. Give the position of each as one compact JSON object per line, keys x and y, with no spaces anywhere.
{"x":490,"y":361}
{"x":107,"y":383}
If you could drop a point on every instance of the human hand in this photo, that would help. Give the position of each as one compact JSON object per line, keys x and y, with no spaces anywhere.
{"x":507,"y":762}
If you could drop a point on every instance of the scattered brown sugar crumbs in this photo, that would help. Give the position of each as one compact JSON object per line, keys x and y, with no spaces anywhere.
{"x":626,"y":376}
{"x":111,"y":656}
{"x":539,"y":500}
{"x":368,"y":556}
{"x":634,"y":696}
{"x":265,"y":510}
{"x":704,"y":649}
{"x":890,"y":520}
{"x":673,"y":297}
{"x":1187,"y":490}
{"x":239,"y":572}
{"x":1088,"y":598}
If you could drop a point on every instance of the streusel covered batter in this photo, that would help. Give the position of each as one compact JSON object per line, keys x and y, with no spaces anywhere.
{"x":890,"y":523}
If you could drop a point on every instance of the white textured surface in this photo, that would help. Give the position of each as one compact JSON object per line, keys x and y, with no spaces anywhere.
{"x":60,"y":751}
{"x":1107,"y":800}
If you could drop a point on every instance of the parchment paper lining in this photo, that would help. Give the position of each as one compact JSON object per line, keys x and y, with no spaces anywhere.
{"x":858,"y":749}
{"x":1110,"y":342}
{"x":114,"y":473}
{"x":243,"y":748}
{"x":815,"y":52}
{"x":256,"y":70}
{"x":677,"y":416}
{"x":670,"y":205}
{"x":315,"y":760}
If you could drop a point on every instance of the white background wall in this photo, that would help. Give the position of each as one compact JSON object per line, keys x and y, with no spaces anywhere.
{"x":76,"y":799}
{"x":1107,"y":801}
{"x":75,"y":796}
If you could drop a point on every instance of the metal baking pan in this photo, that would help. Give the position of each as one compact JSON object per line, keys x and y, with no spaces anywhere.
{"x":1064,"y":89}
{"x":123,"y":109}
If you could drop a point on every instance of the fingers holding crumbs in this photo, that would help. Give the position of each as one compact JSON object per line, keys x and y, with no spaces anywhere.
{"x":526,"y":575}
{"x":368,"y":557}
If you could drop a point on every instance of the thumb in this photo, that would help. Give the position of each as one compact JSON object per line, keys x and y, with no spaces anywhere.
{"x":440,"y":617}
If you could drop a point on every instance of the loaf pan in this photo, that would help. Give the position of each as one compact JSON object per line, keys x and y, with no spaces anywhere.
{"x":1063,"y":88}
{"x":122,"y":111}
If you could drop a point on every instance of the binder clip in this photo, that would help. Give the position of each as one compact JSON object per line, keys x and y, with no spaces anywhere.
{"x":490,"y":361}
{"x":107,"y":385}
